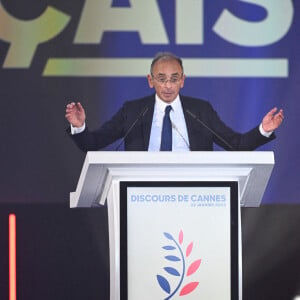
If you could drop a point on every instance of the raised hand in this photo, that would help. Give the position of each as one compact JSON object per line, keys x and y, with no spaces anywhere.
{"x":75,"y":114}
{"x":272,"y":120}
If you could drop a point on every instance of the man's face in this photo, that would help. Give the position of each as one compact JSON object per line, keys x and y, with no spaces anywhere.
{"x":167,"y":79}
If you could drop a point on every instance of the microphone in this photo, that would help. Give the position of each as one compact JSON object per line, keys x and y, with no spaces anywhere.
{"x":209,"y":129}
{"x":140,"y":116}
{"x":181,"y":135}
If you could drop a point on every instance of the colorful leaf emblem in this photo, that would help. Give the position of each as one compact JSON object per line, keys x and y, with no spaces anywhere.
{"x":193,"y":267}
{"x":169,"y":248}
{"x":188,"y":288}
{"x":172,"y":258}
{"x":189,"y":249}
{"x":172,"y":271}
{"x":180,"y":238}
{"x":164,"y":284}
{"x":168,"y":236}
{"x":178,"y":267}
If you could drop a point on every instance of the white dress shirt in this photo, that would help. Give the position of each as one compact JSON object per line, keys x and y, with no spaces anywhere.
{"x":180,"y":140}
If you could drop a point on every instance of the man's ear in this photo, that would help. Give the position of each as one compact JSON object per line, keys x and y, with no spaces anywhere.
{"x":182,"y":81}
{"x":150,"y":81}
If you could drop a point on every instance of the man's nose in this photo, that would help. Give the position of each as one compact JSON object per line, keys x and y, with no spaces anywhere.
{"x":168,"y":83}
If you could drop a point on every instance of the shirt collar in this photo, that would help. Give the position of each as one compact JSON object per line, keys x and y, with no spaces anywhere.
{"x":161,"y":105}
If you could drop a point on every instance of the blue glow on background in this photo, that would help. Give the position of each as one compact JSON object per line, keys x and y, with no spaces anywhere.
{"x":241,"y":103}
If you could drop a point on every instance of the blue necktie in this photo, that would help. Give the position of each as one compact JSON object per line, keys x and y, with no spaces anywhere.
{"x":166,"y":134}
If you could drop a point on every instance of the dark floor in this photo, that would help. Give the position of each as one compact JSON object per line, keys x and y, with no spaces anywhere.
{"x":63,"y":253}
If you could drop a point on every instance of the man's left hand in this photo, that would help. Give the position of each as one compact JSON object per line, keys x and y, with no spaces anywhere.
{"x":272,"y":120}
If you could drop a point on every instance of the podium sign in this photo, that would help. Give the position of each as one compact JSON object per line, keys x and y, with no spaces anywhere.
{"x":183,"y":177}
{"x":179,"y":239}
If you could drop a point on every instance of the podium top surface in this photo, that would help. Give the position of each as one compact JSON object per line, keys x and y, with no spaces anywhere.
{"x":171,"y":158}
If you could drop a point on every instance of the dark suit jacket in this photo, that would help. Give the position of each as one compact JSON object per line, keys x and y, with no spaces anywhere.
{"x":200,"y":138}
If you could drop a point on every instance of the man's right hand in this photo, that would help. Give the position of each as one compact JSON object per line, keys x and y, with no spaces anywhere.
{"x":75,"y":114}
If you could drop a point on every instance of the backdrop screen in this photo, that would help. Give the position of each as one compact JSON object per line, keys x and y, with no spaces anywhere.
{"x":241,"y":55}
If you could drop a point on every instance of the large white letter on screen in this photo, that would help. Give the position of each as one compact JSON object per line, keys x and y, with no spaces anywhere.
{"x":99,"y":16}
{"x":189,"y":22}
{"x":268,"y":31}
{"x":24,"y":36}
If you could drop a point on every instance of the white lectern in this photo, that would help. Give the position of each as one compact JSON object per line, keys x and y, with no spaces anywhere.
{"x":174,"y":219}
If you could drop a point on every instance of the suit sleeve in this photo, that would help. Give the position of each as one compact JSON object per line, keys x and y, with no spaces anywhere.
{"x":105,"y":135}
{"x":238,"y":141}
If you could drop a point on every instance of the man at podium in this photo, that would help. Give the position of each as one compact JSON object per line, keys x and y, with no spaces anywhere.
{"x":167,"y":120}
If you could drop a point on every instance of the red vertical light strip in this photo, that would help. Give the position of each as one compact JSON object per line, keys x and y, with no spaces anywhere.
{"x":12,"y":257}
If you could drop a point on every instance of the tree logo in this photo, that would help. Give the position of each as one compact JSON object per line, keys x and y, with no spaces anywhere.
{"x":178,"y":266}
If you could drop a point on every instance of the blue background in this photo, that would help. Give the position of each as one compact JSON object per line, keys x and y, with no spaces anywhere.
{"x":37,"y":152}
{"x":63,"y":253}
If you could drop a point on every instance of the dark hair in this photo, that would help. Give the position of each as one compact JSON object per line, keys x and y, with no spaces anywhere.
{"x":165,"y":56}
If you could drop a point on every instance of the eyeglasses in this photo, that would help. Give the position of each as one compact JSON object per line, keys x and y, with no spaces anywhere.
{"x":163,"y":80}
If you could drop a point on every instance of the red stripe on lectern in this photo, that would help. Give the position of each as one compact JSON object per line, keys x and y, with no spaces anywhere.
{"x":12,"y":257}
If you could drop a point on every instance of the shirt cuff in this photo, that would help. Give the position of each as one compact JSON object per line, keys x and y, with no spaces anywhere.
{"x":263,"y":132}
{"x":76,"y":130}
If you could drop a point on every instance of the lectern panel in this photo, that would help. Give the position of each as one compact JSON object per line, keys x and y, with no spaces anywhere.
{"x":179,"y":239}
